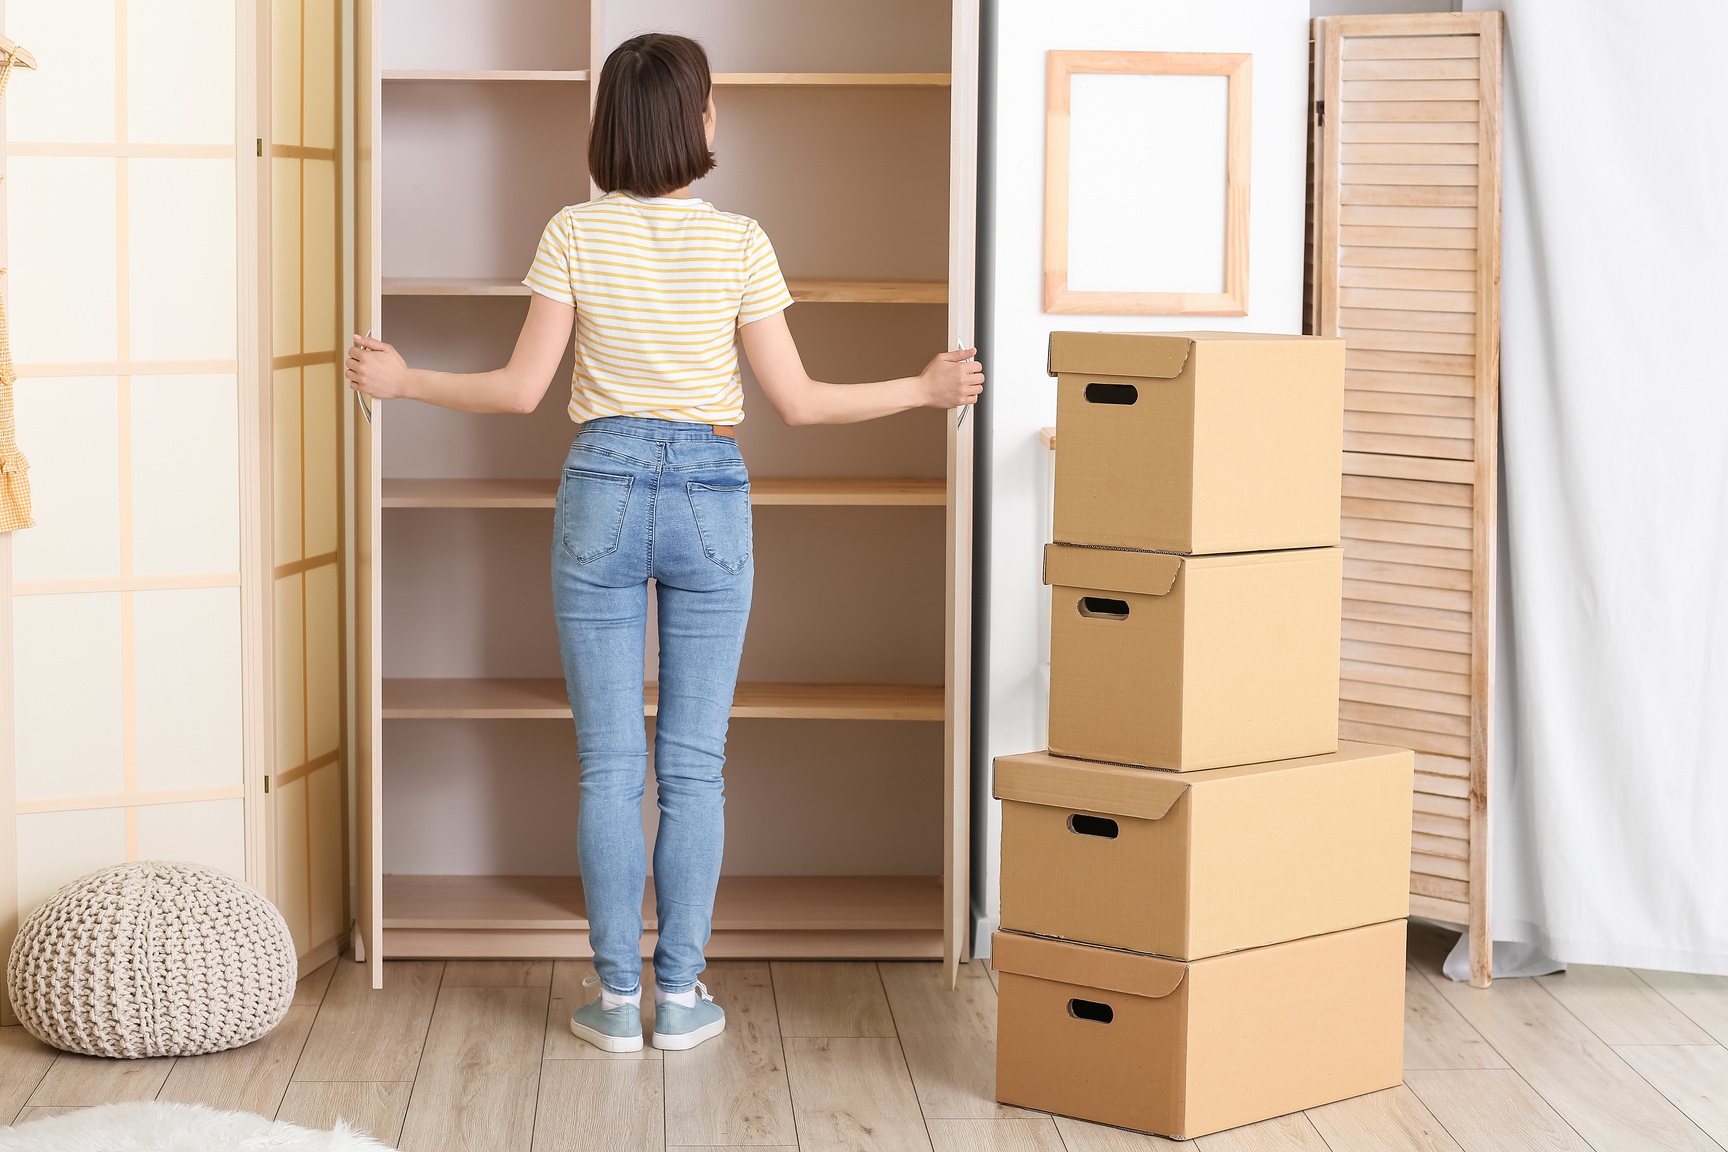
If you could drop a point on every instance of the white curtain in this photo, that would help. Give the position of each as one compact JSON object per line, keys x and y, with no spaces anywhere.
{"x":1611,"y":796}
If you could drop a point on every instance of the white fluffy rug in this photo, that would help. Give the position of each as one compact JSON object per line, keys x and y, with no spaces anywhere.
{"x":153,"y":1127}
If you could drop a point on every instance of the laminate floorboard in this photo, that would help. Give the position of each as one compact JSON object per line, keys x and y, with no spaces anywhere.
{"x":479,"y":1073}
{"x":1283,"y":1134}
{"x":599,"y":1106}
{"x":1390,"y":1121}
{"x":883,"y":1057}
{"x":497,"y":974}
{"x":1083,"y":1136}
{"x":248,"y":1079}
{"x":1435,"y":1035}
{"x":830,"y":998}
{"x":949,"y":1038}
{"x":1693,"y":1078}
{"x":1580,"y":1076}
{"x":1493,"y":1110}
{"x":1006,"y":1134}
{"x":1704,"y":999}
{"x":733,"y":1088}
{"x":310,"y":989}
{"x":366,"y":1033}
{"x":81,"y":1081}
{"x":852,"y":1094}
{"x":43,"y":1113}
{"x":24,"y":1060}
{"x":374,"y":1107}
{"x":1621,"y":1008}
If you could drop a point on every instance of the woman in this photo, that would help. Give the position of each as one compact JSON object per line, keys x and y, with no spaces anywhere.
{"x":659,"y":287}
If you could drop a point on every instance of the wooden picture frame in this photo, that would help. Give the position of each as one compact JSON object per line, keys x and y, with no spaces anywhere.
{"x":1058,"y":297}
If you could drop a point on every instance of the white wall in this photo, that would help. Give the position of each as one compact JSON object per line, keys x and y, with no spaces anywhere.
{"x":1014,"y":492}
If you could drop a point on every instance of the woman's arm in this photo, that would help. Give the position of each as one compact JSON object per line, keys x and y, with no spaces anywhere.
{"x":948,"y":381}
{"x":377,"y":369}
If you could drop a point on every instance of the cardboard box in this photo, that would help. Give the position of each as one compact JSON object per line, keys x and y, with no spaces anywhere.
{"x":1186,"y":1048}
{"x":1198,"y":442}
{"x":1208,"y":862}
{"x":1193,"y":662}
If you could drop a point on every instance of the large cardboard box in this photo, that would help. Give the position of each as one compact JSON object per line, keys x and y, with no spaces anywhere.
{"x":1197,"y":442}
{"x":1183,"y":1048}
{"x":1209,"y":862}
{"x":1193,"y":662}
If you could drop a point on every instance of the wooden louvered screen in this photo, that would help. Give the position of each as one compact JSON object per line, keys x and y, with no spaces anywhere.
{"x":1405,"y":266}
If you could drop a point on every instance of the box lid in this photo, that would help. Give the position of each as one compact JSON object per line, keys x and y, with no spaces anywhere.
{"x":1157,"y":354}
{"x":1062,"y":782}
{"x":1112,"y":569}
{"x":1142,"y":793}
{"x":1086,"y":965}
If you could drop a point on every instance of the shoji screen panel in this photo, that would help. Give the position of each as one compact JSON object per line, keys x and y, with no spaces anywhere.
{"x":129,"y":710}
{"x":305,"y":412}
{"x":1405,"y":265}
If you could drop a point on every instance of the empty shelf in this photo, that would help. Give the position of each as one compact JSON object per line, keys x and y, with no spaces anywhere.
{"x":813,"y":290}
{"x":578,"y":75}
{"x":816,"y":290}
{"x":452,"y":286}
{"x":764,"y":490}
{"x":834,"y":79}
{"x":469,"y":493}
{"x":544,"y":699}
{"x":723,"y":79}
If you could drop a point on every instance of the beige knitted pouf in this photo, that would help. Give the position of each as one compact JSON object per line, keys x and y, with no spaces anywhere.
{"x":152,"y":959}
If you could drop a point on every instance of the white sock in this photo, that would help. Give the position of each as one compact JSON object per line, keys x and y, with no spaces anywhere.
{"x":685,"y":999}
{"x":610,"y":1000}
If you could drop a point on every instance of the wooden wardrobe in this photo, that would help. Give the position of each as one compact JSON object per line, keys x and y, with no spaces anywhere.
{"x":848,"y":130}
{"x":1404,"y":263}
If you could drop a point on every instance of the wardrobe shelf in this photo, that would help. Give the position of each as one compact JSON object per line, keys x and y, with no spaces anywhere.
{"x":764,"y":490}
{"x":426,"y":698}
{"x":754,"y":916}
{"x":721,"y":79}
{"x":805,"y":289}
{"x":577,"y":75}
{"x":834,"y":79}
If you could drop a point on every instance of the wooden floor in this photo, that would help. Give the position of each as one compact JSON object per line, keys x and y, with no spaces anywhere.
{"x":831,"y":1057}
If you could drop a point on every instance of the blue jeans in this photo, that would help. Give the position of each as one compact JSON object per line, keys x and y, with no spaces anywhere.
{"x":649,"y":499}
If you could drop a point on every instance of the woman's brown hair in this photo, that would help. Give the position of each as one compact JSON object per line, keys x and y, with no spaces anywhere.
{"x":647,"y":135}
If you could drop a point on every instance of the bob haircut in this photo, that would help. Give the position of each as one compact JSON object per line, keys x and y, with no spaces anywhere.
{"x":647,"y":135}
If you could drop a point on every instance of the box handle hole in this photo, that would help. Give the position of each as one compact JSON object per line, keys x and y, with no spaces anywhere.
{"x":1091,"y":1010}
{"x":1100,"y":393}
{"x":1103,"y":608}
{"x":1092,"y":826}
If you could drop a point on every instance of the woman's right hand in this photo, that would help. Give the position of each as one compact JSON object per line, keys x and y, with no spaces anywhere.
{"x":376,"y":369}
{"x":952,"y":379}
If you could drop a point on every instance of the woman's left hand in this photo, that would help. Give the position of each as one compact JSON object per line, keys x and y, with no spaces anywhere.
{"x":376,"y":369}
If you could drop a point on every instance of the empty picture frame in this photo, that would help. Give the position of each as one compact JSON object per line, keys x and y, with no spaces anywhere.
{"x":1146,"y":183}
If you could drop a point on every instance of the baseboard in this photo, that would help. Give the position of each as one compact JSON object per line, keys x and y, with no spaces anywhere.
{"x":983,"y":927}
{"x":319,"y":955}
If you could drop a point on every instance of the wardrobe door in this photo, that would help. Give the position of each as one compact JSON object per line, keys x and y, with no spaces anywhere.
{"x":957,"y":715}
{"x":304,"y":413}
{"x":1406,"y":267}
{"x":366,"y":423}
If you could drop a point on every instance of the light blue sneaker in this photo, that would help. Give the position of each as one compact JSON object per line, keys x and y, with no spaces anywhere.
{"x":677,"y":1027}
{"x":610,"y":1030}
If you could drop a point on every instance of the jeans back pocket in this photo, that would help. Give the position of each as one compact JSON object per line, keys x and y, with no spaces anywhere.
{"x":723,"y":518}
{"x":591,"y":509}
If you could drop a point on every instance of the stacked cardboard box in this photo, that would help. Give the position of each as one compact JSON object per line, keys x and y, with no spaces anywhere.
{"x":1203,"y":890}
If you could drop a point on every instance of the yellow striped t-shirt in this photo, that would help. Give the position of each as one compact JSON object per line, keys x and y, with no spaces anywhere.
{"x":660,"y":287}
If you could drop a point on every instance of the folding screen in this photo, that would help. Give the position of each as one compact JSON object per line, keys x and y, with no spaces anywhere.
{"x":304,"y":417}
{"x":1404,"y":260}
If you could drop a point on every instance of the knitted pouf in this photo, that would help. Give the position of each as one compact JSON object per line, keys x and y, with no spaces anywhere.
{"x":152,"y":959}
